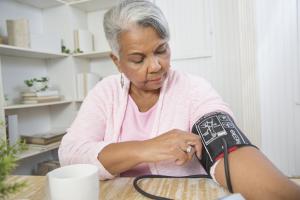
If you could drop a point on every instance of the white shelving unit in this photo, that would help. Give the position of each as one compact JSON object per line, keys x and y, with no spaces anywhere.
{"x":85,"y":5}
{"x":34,"y":150}
{"x":8,"y":50}
{"x":93,"y":5}
{"x":19,"y":106}
{"x":42,"y":4}
{"x":78,"y":100}
{"x":92,"y":55}
{"x":60,"y":17}
{"x":298,"y":64}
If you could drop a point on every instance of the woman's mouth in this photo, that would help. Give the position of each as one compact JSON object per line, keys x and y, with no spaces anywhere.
{"x":155,"y":79}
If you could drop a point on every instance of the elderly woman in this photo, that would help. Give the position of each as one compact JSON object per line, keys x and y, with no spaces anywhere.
{"x":140,"y":122}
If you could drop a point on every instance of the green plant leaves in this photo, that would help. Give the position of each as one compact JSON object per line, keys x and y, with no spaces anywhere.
{"x":8,"y":162}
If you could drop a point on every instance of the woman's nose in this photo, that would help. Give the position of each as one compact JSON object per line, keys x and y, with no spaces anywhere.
{"x":154,"y":65}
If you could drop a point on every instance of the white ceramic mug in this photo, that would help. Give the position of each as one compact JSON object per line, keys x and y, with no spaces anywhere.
{"x":74,"y":182}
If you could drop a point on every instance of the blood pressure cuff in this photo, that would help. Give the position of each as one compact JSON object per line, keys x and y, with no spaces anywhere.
{"x":212,"y":128}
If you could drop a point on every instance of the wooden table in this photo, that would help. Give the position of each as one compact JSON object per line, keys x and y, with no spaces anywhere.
{"x":122,"y":188}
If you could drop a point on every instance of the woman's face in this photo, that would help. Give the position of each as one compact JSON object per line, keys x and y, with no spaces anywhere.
{"x":144,"y":58}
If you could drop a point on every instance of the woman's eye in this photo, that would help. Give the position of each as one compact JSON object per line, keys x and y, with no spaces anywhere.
{"x":138,"y":61}
{"x":161,"y":51}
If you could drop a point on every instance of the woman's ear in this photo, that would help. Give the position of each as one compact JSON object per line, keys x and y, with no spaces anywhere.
{"x":115,"y":59}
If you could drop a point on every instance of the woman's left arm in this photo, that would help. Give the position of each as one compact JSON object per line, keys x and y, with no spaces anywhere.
{"x":255,"y":177}
{"x":251,"y":173}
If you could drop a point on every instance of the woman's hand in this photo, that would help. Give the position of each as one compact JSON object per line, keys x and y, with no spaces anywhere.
{"x":173,"y":145}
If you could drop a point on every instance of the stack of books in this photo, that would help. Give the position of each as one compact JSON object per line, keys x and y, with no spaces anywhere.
{"x":40,"y":97}
{"x":46,"y":166}
{"x":48,"y":138}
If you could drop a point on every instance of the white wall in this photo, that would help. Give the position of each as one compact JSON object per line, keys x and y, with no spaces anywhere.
{"x":17,"y":11}
{"x":277,"y":65}
{"x":297,"y":74}
{"x":190,"y":27}
{"x":222,"y":68}
{"x":95,"y":21}
{"x":104,"y":66}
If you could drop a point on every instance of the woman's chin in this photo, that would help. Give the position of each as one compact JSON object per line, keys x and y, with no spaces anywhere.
{"x":155,"y":85}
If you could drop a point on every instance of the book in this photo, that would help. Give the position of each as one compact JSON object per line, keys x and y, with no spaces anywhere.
{"x":83,"y":40}
{"x":12,"y":129}
{"x":33,"y":100}
{"x":40,"y":94}
{"x":18,"y":32}
{"x":43,"y":98}
{"x":42,"y":147}
{"x":44,"y":138}
{"x":85,"y":82}
{"x":46,"y":166}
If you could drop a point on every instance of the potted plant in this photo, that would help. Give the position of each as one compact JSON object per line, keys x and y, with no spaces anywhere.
{"x":8,"y":159}
{"x":37,"y":85}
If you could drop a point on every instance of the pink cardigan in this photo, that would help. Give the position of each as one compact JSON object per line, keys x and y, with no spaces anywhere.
{"x":183,"y":100}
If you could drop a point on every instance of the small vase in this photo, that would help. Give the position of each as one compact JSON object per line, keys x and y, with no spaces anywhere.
{"x":39,"y":86}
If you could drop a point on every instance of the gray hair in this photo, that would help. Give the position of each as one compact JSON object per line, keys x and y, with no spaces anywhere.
{"x":133,"y":12}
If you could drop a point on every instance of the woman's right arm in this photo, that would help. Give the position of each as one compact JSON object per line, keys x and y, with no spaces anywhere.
{"x":120,"y":157}
{"x":84,"y":142}
{"x":85,"y":138}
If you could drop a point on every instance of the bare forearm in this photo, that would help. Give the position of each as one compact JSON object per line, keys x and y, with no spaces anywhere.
{"x":120,"y":157}
{"x":255,"y":177}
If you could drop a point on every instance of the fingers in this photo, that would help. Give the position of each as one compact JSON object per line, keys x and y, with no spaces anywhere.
{"x":194,"y":141}
{"x":190,"y":152}
{"x":197,"y":147}
{"x":190,"y":144}
{"x":184,"y":154}
{"x":181,"y":157}
{"x":175,"y":144}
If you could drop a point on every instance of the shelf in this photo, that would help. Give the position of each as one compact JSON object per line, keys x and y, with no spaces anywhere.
{"x":8,"y":50}
{"x":37,"y":149}
{"x":92,"y":55}
{"x":19,"y":106}
{"x":85,"y":5}
{"x":42,"y":4}
{"x":93,"y":5}
{"x":78,"y":101}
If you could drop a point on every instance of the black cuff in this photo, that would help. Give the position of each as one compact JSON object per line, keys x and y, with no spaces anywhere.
{"x":212,"y":128}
